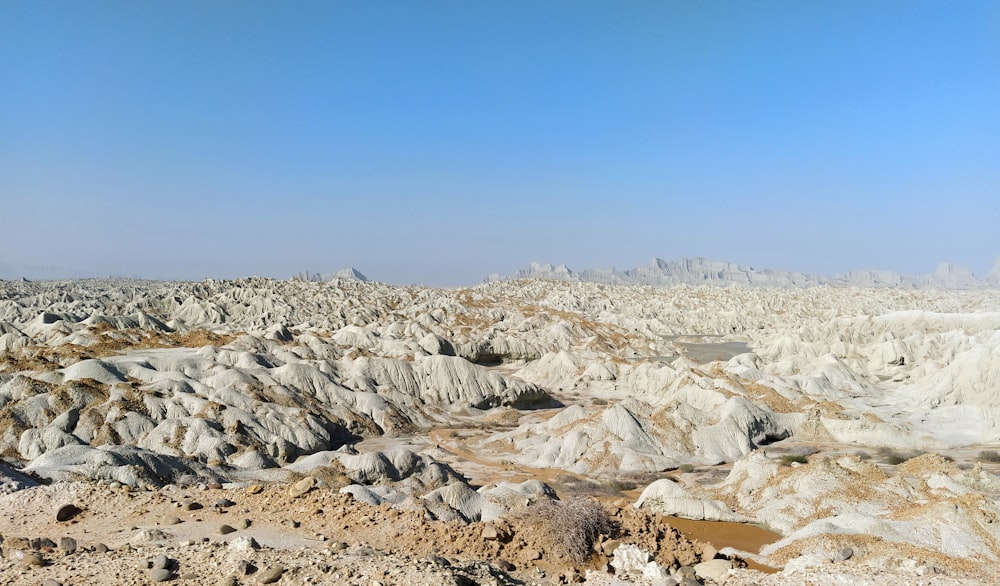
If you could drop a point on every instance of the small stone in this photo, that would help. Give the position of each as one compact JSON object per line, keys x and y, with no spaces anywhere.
{"x":193,"y":506}
{"x":101,"y":548}
{"x":845,"y":554}
{"x":489,"y":533}
{"x":505,"y":565}
{"x":67,"y":512}
{"x":170,"y":521}
{"x":708,"y":552}
{"x":254,"y":489}
{"x":33,"y":559}
{"x":440,"y":561}
{"x":532,"y":554}
{"x":246,"y":568}
{"x":243,"y":543}
{"x":160,"y":575}
{"x":42,"y":543}
{"x":226,"y":529}
{"x":224,"y":503}
{"x":713,"y":569}
{"x":67,"y":544}
{"x":230,"y":581}
{"x":243,"y":523}
{"x":271,"y":575}
{"x":215,"y":485}
{"x":161,"y":562}
{"x":301,"y":487}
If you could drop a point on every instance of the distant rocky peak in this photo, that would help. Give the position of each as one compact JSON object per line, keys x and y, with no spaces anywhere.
{"x":349,"y":273}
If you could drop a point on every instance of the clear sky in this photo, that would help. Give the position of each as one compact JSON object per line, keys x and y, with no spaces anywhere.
{"x":437,"y":142}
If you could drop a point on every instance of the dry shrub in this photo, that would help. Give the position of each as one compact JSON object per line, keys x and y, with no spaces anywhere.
{"x":571,"y":527}
{"x":991,"y":456}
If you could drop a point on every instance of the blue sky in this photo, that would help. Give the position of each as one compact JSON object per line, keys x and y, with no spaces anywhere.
{"x":436,"y":142}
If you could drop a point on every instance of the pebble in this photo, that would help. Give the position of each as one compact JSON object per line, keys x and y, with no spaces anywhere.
{"x":161,"y":562}
{"x":42,"y":543}
{"x":226,"y":529}
{"x":246,"y":568}
{"x":301,"y":487}
{"x":845,"y":554}
{"x":255,"y":489}
{"x":224,"y":503}
{"x":244,"y":543}
{"x":160,"y":575}
{"x":67,"y":512}
{"x":170,"y":521}
{"x":193,"y":506}
{"x":101,"y":548}
{"x":67,"y":544}
{"x":33,"y":559}
{"x":271,"y":575}
{"x":243,"y":523}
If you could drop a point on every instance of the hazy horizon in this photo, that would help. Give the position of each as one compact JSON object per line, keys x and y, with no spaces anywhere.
{"x":439,"y":142}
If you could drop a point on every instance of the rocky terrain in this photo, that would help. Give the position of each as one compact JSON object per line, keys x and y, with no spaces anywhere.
{"x":335,"y":430}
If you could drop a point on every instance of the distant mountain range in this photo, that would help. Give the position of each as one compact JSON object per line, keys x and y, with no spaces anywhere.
{"x":349,"y":273}
{"x":702,"y":271}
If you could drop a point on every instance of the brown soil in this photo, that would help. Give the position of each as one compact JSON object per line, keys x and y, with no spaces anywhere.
{"x":123,"y":520}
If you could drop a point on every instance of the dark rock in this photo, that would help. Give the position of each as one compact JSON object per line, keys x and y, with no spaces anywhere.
{"x":246,"y":568}
{"x":38,"y":543}
{"x":67,"y":512}
{"x":101,"y":548}
{"x":226,"y":529}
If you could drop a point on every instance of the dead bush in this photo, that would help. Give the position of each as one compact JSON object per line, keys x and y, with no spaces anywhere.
{"x":570,"y":527}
